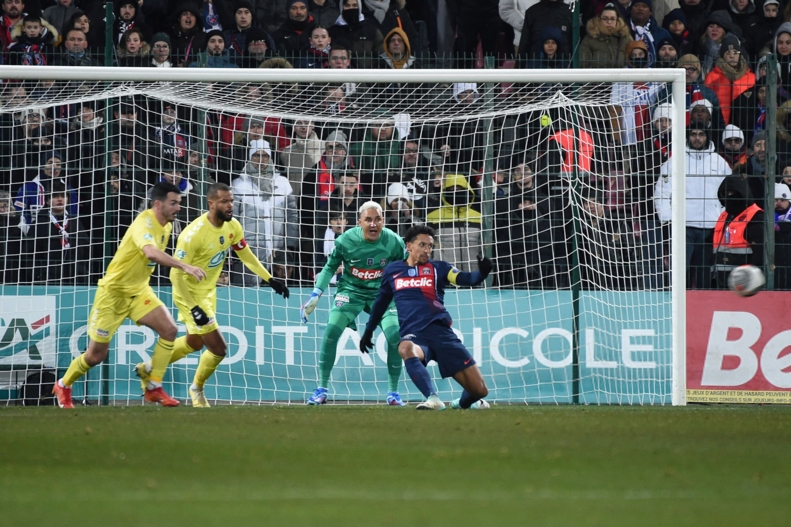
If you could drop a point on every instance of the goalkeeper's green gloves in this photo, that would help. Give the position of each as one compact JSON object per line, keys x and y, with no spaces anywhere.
{"x":310,"y":305}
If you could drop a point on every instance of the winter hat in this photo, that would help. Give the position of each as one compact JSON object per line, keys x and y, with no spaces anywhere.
{"x":672,"y":16}
{"x":460,"y":87}
{"x":775,"y":2}
{"x":758,"y":136}
{"x":292,"y":2}
{"x":698,"y":125}
{"x":257,"y":145}
{"x":46,"y":156}
{"x":663,"y":110}
{"x":160,"y":37}
{"x":646,"y":2}
{"x":635,"y":44}
{"x":703,"y":102}
{"x":251,"y":121}
{"x":214,"y":33}
{"x":397,"y":191}
{"x":732,"y":131}
{"x":782,"y":191}
{"x":668,"y":41}
{"x":243,"y":4}
{"x":729,"y":42}
{"x":255,"y":34}
{"x":720,"y":17}
{"x":132,"y":3}
{"x":689,"y":60}
{"x":187,"y":6}
{"x":339,"y":138}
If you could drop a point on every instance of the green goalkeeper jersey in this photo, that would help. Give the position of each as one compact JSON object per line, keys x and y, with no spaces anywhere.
{"x":363,"y":261}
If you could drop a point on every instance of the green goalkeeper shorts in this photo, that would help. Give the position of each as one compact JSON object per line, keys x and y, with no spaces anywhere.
{"x":350,"y":306}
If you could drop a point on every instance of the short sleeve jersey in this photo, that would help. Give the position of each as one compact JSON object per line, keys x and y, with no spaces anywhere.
{"x":363,"y":261}
{"x":203,"y":245}
{"x":129,"y":271}
{"x":419,"y":293}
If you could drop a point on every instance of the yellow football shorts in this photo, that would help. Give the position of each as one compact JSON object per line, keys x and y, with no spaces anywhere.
{"x":207,"y":302}
{"x":109,"y":311}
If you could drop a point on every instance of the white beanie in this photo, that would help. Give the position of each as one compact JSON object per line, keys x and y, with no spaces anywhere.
{"x":663,"y":110}
{"x":782,"y":191}
{"x":259,"y":144}
{"x":702,"y":102}
{"x":460,"y":87}
{"x":732,"y":131}
{"x":397,"y":191}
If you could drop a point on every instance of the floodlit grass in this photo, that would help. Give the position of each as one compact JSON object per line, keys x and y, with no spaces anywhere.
{"x":382,"y":466}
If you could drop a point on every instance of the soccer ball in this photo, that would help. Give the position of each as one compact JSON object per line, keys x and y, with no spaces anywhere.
{"x":746,"y":280}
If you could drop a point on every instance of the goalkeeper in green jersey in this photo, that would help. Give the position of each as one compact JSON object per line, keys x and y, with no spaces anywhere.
{"x":364,"y":252}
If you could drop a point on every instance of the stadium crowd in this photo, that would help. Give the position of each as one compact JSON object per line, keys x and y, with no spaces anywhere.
{"x":74,"y":179}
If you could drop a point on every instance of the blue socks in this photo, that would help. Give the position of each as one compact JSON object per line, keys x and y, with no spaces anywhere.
{"x":419,"y":375}
{"x":466,"y":400}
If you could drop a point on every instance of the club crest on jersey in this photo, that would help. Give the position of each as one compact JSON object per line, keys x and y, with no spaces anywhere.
{"x":340,"y":300}
{"x":370,"y":261}
{"x":412,"y":272}
{"x":426,"y":270}
{"x":383,"y":262}
{"x":222,"y":240}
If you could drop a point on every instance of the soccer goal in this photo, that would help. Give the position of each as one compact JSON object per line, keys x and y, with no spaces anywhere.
{"x":551,"y":173}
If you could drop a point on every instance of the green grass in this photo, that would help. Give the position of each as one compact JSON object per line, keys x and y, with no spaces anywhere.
{"x":381,"y":466}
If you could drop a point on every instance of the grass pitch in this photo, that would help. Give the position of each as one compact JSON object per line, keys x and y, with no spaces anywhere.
{"x":382,"y":466}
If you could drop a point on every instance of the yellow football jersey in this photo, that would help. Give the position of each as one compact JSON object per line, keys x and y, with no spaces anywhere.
{"x":203,"y":245}
{"x":130,"y":270}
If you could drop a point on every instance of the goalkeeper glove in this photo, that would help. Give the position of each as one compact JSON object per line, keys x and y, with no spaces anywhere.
{"x":199,"y":316}
{"x":310,"y":305}
{"x":484,"y":265}
{"x":367,"y":341}
{"x":278,"y":287}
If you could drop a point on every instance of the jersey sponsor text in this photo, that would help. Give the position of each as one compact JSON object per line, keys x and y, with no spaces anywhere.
{"x":367,"y":274}
{"x":401,"y":283}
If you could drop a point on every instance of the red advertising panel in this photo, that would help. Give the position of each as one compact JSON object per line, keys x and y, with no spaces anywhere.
{"x":738,"y":349}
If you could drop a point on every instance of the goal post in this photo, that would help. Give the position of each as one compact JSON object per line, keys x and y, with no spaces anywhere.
{"x":587,"y":301}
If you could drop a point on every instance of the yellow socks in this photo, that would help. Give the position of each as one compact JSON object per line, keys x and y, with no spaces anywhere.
{"x":160,"y":360}
{"x":77,"y":369}
{"x":208,"y":363}
{"x":180,"y":349}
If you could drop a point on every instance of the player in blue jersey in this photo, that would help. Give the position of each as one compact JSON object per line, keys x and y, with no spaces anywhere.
{"x":418,"y":286}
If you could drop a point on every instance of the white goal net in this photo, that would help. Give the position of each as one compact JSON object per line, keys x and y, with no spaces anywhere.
{"x":553,"y":177}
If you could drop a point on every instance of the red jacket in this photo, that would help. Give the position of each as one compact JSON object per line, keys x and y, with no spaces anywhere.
{"x":728,"y":90}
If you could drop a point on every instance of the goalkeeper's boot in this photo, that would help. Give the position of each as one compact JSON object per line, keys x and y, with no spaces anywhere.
{"x":319,"y":397}
{"x":477,"y":405}
{"x":432,"y":403}
{"x":63,"y":393}
{"x":158,"y":395}
{"x":394,"y":399}
{"x":143,"y":371}
{"x":198,"y":398}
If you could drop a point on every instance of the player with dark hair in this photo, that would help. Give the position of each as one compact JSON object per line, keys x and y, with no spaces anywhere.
{"x":124,"y":292}
{"x":418,"y":286}
{"x":204,"y":243}
{"x":364,"y":252}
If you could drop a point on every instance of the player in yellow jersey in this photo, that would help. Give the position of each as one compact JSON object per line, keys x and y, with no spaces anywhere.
{"x":124,"y":292}
{"x":204,"y":243}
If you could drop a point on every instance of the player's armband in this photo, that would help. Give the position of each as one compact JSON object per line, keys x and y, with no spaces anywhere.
{"x":240,"y":245}
{"x":453,"y":275}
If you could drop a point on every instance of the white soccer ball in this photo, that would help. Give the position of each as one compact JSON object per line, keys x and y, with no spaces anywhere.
{"x":746,"y":280}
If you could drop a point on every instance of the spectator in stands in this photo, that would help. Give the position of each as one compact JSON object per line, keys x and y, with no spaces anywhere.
{"x":361,"y":33}
{"x":318,"y":54}
{"x":644,"y":28}
{"x":748,"y":112}
{"x":272,"y":14}
{"x":33,"y":42}
{"x":741,"y":12}
{"x":754,"y":170}
{"x":260,"y":46}
{"x":58,"y":241}
{"x":302,"y":155}
{"x":32,"y":196}
{"x":782,"y":236}
{"x":550,"y":52}
{"x":133,"y":51}
{"x":731,"y":75}
{"x":173,"y":140}
{"x":697,"y":90}
{"x":345,"y":198}
{"x":333,"y":163}
{"x":512,"y":12}
{"x":293,"y":37}
{"x":782,"y":49}
{"x":457,"y":224}
{"x":59,"y":14}
{"x":604,"y":45}
{"x":10,"y":242}
{"x":675,"y":22}
{"x":416,"y":175}
{"x":761,"y":27}
{"x":391,"y":15}
{"x":13,"y":11}
{"x":286,"y":269}
{"x":632,"y":102}
{"x":667,"y":54}
{"x":186,"y":35}
{"x":697,"y":13}
{"x":340,"y":58}
{"x":74,"y":51}
{"x":739,"y":231}
{"x":544,"y":14}
{"x":266,"y":207}
{"x":399,"y":212}
{"x":129,"y":137}
{"x":236,"y":36}
{"x":325,"y":12}
{"x":86,"y":138}
{"x":216,"y":56}
{"x":702,"y":111}
{"x":398,"y":51}
{"x":734,"y":148}
{"x":705,"y":171}
{"x":377,"y":153}
{"x":128,"y":16}
{"x":460,"y":143}
{"x":337,"y":226}
{"x":81,"y":21}
{"x":160,"y":51}
{"x":718,"y":24}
